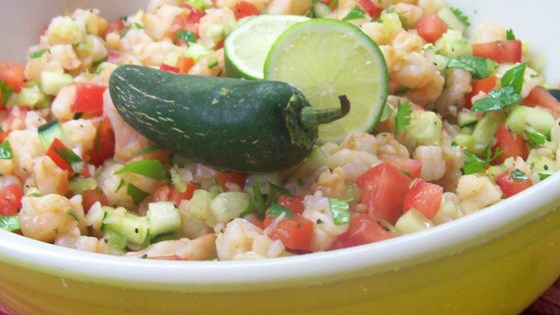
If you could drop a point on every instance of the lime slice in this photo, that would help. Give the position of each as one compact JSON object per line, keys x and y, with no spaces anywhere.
{"x":248,"y":44}
{"x":326,"y":58}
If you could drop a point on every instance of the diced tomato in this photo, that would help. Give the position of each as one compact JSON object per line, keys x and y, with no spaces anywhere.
{"x":410,"y":167}
{"x":184,"y":64}
{"x":424,"y":197}
{"x":383,"y":190}
{"x":540,"y":96}
{"x":170,"y":193}
{"x":185,"y":21}
{"x":168,"y":68}
{"x":10,"y":199}
{"x":12,"y":74}
{"x":194,"y":15}
{"x":483,"y":85}
{"x":89,"y":98}
{"x":431,"y":27}
{"x":500,"y":51}
{"x":56,"y":158}
{"x":104,"y":142}
{"x":509,"y":145}
{"x":511,"y":186}
{"x":159,"y":154}
{"x":363,"y":229}
{"x":370,"y":8}
{"x":245,"y":9}
{"x":115,"y":26}
{"x":295,"y":204}
{"x":295,"y":232}
{"x":224,"y":178}
{"x":91,"y":196}
{"x":332,"y":4}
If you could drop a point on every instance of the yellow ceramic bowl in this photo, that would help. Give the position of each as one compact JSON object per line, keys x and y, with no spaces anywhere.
{"x":496,"y":261}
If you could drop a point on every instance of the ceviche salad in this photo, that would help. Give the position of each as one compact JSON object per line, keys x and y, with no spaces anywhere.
{"x":245,"y":129}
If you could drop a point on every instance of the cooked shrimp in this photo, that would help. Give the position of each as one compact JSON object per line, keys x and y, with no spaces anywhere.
{"x":325,"y":231}
{"x":44,"y":218}
{"x":242,"y":239}
{"x":433,"y":165}
{"x":79,"y":134}
{"x":457,"y":85}
{"x":428,"y":93}
{"x":476,"y":192}
{"x":49,"y":178}
{"x":62,"y":103}
{"x":128,"y":142}
{"x":157,"y":22}
{"x":201,"y":248}
{"x":335,"y":184}
{"x":388,"y":145}
{"x":82,"y":242}
{"x":25,"y":147}
{"x":295,"y":7}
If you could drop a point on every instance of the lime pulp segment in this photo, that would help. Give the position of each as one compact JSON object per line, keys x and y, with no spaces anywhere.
{"x":247,"y":46}
{"x":327,"y":58}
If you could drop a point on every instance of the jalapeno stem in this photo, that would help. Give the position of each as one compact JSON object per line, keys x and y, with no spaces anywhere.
{"x":312,"y":117}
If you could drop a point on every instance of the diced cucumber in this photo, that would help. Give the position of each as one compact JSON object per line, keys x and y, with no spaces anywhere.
{"x":135,"y":228}
{"x":452,"y":44}
{"x":413,"y":221}
{"x":516,"y":119}
{"x":78,"y":185}
{"x":539,"y":119}
{"x":114,"y":239}
{"x":485,"y":130}
{"x":433,"y":56}
{"x":425,"y":128}
{"x":199,"y":206}
{"x":542,"y":165}
{"x":196,"y":51}
{"x":465,"y":141}
{"x":452,"y":21}
{"x":466,"y":118}
{"x":33,"y":96}
{"x":391,"y":23}
{"x":52,"y":82}
{"x":50,"y":131}
{"x":163,"y":217}
{"x":228,"y":206}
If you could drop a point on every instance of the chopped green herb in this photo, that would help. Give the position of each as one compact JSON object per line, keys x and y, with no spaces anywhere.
{"x":514,"y":77}
{"x":355,"y":13}
{"x":260,"y":203}
{"x":474,"y":164}
{"x":136,"y":193}
{"x":518,"y":174}
{"x":544,"y":175}
{"x":534,"y":137}
{"x":71,"y":158}
{"x":9,"y":223}
{"x":6,"y":91}
{"x":402,"y":119}
{"x":186,"y":35}
{"x":479,"y":67}
{"x":38,"y":53}
{"x":276,"y":210}
{"x":147,"y":150}
{"x":73,"y":214}
{"x":510,"y":35}
{"x":340,"y":209}
{"x":149,"y":168}
{"x":212,"y":64}
{"x":497,"y":99}
{"x":137,"y":25}
{"x":461,"y":16}
{"x":274,"y":191}
{"x":5,"y":151}
{"x":120,"y":185}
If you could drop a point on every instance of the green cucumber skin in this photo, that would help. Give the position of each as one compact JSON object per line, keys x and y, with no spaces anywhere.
{"x":227,"y":124}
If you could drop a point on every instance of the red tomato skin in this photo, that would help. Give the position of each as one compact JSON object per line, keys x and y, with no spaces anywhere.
{"x":12,"y":74}
{"x":509,"y":144}
{"x":10,"y":200}
{"x":383,"y":190}
{"x":540,"y":96}
{"x":91,"y":196}
{"x":245,"y":9}
{"x":411,"y":167}
{"x":483,"y":85}
{"x":370,"y":8}
{"x":295,"y":232}
{"x":295,"y":204}
{"x":168,"y":68}
{"x":89,"y":98}
{"x":424,"y":197}
{"x":177,"y":196}
{"x":56,"y":158}
{"x":511,"y":186}
{"x":184,"y":64}
{"x":105,"y":148}
{"x":363,"y":229}
{"x":500,"y":51}
{"x":223,"y":178}
{"x":431,"y":27}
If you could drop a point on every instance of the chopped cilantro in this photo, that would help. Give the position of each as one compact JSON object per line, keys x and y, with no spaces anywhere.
{"x":38,"y":53}
{"x":461,"y":16}
{"x":479,"y":67}
{"x":514,"y":77}
{"x":186,"y":35}
{"x":517,"y":174}
{"x":510,"y":35}
{"x":544,"y":175}
{"x":136,"y":193}
{"x":71,"y":158}
{"x":534,"y":137}
{"x":497,"y":99}
{"x":5,"y":151}
{"x":402,"y":119}
{"x":355,"y":13}
{"x":276,"y":210}
{"x":149,"y":168}
{"x":340,"y":209}
{"x":9,"y":223}
{"x":476,"y":164}
{"x":5,"y":91}
{"x":73,"y":214}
